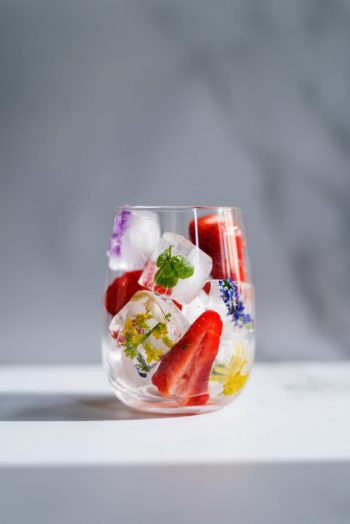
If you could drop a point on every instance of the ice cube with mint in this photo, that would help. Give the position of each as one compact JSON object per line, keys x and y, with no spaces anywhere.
{"x":177,"y":268}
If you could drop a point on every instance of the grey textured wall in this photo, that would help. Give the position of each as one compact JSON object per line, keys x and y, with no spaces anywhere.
{"x":157,"y":102}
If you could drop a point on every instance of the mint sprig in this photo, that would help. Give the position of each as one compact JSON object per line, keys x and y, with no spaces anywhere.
{"x":171,"y":268}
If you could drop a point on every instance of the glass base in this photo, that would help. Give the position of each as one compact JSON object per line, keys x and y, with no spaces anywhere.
{"x":148,"y":401}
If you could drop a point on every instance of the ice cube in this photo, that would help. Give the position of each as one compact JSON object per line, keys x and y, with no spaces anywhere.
{"x":145,"y":329}
{"x":135,"y":236}
{"x":230,"y":340}
{"x":215,"y":302}
{"x":195,"y":308}
{"x":177,"y":268}
{"x":231,"y":368}
{"x":238,"y":323}
{"x":234,"y":302}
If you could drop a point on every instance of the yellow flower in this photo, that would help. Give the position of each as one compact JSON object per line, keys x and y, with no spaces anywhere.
{"x":137,"y":333}
{"x":152,"y":354}
{"x":132,"y":338}
{"x":129,"y":330}
{"x":141,"y":319}
{"x":160,"y":332}
{"x":232,"y":375}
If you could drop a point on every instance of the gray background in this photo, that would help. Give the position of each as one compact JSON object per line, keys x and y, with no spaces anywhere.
{"x":158,"y":102}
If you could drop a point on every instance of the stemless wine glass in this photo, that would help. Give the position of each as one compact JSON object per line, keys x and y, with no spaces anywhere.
{"x":180,"y":310}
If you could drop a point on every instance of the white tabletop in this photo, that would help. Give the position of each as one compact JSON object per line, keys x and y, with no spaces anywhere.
{"x":70,"y":452}
{"x":69,"y":416}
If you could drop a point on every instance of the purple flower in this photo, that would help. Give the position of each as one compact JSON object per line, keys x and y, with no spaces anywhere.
{"x":234,"y":304}
{"x":121,"y":224}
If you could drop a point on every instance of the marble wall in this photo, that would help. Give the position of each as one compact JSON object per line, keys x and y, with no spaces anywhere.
{"x":173,"y":102}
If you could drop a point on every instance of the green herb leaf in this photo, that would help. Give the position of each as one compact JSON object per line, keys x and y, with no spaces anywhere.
{"x":164,"y":257}
{"x":182,"y":266}
{"x":171,"y":268}
{"x":166,"y":276}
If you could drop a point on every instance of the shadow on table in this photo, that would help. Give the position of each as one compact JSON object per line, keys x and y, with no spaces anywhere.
{"x":61,"y":407}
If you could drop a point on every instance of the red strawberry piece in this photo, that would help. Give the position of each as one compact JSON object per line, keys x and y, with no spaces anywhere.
{"x":224,"y":243}
{"x":178,"y":305}
{"x":206,"y":288}
{"x":121,"y":290}
{"x":240,"y":255}
{"x":183,"y":373}
{"x":161,"y":290}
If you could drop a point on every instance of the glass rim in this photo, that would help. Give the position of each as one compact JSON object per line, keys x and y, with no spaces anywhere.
{"x":170,"y":208}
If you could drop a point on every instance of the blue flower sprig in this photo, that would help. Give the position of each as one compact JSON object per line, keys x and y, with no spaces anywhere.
{"x":234,"y":304}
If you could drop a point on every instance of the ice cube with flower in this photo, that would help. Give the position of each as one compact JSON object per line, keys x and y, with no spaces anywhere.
{"x":146,"y":328}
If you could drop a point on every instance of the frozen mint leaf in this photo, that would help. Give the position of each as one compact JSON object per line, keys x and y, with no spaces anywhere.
{"x":182,"y":266}
{"x":171,"y":268}
{"x":164,"y":257}
{"x":166,"y":276}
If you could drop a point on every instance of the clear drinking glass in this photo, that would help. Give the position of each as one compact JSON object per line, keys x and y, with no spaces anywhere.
{"x":179,"y":333}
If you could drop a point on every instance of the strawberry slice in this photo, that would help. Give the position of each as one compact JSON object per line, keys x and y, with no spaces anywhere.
{"x":224,"y":243}
{"x":183,"y":372}
{"x":121,"y":290}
